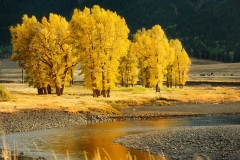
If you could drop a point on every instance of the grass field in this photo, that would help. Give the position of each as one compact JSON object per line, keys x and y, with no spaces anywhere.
{"x":78,"y":98}
{"x":221,"y":72}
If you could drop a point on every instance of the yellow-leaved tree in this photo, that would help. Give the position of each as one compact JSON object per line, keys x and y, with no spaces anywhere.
{"x":48,"y":58}
{"x":154,"y":55}
{"x":22,"y":37}
{"x":101,"y":38}
{"x":128,"y":69}
{"x":177,"y":71}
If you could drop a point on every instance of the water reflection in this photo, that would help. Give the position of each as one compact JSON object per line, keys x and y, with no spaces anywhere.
{"x":91,"y":137}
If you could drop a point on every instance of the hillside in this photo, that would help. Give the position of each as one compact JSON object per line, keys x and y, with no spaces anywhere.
{"x":207,"y":28}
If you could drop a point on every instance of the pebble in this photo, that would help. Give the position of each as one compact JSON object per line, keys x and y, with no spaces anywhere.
{"x":213,"y":142}
{"x":29,"y":120}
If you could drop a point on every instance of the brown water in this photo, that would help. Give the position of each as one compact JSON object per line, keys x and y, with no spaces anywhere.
{"x":73,"y":141}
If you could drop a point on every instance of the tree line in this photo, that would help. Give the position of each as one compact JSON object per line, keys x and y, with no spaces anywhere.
{"x":49,"y":51}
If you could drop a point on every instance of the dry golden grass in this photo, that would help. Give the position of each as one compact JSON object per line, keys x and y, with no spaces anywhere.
{"x":205,"y":94}
{"x":78,"y":99}
{"x":222,"y":72}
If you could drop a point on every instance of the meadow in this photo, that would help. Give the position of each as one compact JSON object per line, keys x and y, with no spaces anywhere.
{"x":79,"y":99}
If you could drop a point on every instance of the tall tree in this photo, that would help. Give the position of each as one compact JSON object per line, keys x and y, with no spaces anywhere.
{"x":101,"y":38}
{"x":178,"y":70}
{"x":22,"y":36}
{"x":128,"y":69}
{"x":45,"y":52}
{"x":153,"y":51}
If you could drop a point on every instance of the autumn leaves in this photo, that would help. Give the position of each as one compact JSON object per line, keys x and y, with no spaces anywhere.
{"x":101,"y":38}
{"x":97,"y":39}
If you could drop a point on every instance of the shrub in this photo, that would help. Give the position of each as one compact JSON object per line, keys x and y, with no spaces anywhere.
{"x":4,"y":94}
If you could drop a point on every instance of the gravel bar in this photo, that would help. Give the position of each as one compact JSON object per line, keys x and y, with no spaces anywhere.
{"x":41,"y":119}
{"x":207,"y":142}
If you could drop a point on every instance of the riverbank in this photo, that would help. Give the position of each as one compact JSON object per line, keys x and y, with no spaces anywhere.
{"x":39,"y":119}
{"x":217,"y":142}
{"x":207,"y":142}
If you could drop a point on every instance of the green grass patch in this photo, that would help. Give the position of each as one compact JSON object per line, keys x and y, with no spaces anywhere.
{"x":134,"y":90}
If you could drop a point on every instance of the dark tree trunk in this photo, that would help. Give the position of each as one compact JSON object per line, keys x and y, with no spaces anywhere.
{"x":98,"y":93}
{"x":104,"y":93}
{"x":168,"y":83}
{"x":108,"y":92}
{"x":44,"y":90}
{"x":40,"y":90}
{"x":157,"y":88}
{"x":61,"y":90}
{"x":49,"y":89}
{"x":94,"y":93}
{"x":58,"y":91}
{"x":147,"y":85}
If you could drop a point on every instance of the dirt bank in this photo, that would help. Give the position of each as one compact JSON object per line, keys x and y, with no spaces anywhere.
{"x":182,"y":109}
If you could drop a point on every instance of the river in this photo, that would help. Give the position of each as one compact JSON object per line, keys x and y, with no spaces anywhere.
{"x":72,"y":142}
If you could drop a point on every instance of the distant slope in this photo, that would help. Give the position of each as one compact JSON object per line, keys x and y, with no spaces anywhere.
{"x":212,"y":33}
{"x":207,"y":28}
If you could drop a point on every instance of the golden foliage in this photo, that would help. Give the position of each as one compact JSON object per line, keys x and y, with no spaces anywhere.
{"x":101,"y":38}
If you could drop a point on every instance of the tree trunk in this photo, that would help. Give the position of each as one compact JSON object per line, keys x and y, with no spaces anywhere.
{"x":49,"y":89}
{"x":168,"y":83}
{"x":108,"y":92}
{"x":58,"y":91}
{"x":122,"y":83}
{"x":61,"y":90}
{"x":157,"y":88}
{"x":40,"y":90}
{"x":147,"y":85}
{"x":96,"y":93}
{"x":44,"y":90}
{"x":104,"y":93}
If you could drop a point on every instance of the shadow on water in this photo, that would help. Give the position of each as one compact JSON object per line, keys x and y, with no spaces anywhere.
{"x":89,"y":138}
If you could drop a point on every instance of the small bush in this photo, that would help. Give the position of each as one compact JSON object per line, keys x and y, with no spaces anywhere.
{"x":4,"y":94}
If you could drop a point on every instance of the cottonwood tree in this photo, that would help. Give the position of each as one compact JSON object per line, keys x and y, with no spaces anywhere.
{"x":128,"y":69}
{"x":177,"y":72}
{"x":22,"y":36}
{"x":153,"y":52}
{"x":48,"y":56}
{"x":101,"y":38}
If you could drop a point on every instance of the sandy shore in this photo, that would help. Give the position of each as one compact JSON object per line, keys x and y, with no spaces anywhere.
{"x":38,"y":119}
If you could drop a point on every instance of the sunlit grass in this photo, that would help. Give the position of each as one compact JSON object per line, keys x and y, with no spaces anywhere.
{"x":79,"y":99}
{"x":134,"y":90}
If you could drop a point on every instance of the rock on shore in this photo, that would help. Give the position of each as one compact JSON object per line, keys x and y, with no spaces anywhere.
{"x":210,"y":142}
{"x":30,"y":120}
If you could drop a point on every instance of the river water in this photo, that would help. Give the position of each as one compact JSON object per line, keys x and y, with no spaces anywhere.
{"x":72,"y":142}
